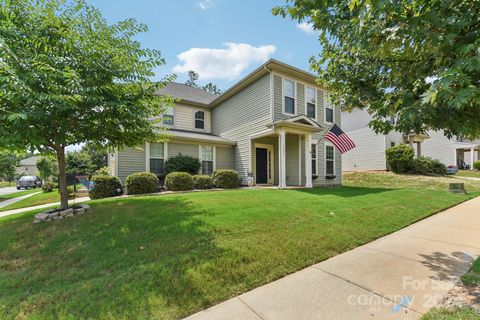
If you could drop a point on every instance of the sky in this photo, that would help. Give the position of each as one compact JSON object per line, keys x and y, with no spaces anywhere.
{"x":222,"y":40}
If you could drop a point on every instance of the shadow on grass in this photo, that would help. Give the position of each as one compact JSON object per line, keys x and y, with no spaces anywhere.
{"x":140,"y":261}
{"x":345,"y":191}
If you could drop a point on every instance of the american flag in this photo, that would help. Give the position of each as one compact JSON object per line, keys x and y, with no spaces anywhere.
{"x":339,"y":139}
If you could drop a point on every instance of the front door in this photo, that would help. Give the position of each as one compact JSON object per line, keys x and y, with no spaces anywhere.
{"x":261,"y":166}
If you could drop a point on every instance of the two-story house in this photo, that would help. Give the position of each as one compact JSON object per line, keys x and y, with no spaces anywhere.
{"x":369,"y":153}
{"x":269,"y":126}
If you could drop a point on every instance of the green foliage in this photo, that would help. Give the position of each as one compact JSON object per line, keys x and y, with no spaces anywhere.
{"x":209,"y":87}
{"x":78,"y":163}
{"x":47,"y":167}
{"x":104,"y":187}
{"x":413,"y":59}
{"x":68,"y":77}
{"x":141,"y":183}
{"x":202,"y":182}
{"x":225,"y":179}
{"x":428,"y":166}
{"x":9,"y":162}
{"x":71,"y":192}
{"x":103,"y":171}
{"x":48,"y":187}
{"x":98,"y":155}
{"x":476,"y":165}
{"x":472,"y":278}
{"x":182,"y":163}
{"x":179,"y":181}
{"x":400,"y":158}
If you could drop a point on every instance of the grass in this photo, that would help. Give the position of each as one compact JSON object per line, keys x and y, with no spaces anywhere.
{"x":472,"y":278}
{"x":451,"y":314}
{"x":34,"y":200}
{"x":164,"y":257}
{"x":469,"y":173}
{"x":4,"y":184}
{"x":18,"y":194}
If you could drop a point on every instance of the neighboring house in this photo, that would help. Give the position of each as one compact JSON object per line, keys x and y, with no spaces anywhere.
{"x":28,"y":167}
{"x":269,"y":126}
{"x":369,"y":153}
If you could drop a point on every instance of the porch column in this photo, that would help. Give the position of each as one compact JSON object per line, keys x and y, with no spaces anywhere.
{"x":419,"y":149}
{"x":282,"y":179}
{"x":308,"y":161}
{"x":472,"y":157}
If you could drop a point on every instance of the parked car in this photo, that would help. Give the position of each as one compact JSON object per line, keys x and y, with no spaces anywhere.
{"x":29,"y":182}
{"x":452,"y":170}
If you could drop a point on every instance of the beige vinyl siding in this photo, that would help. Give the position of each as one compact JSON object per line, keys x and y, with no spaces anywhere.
{"x":224,"y":158}
{"x":130,"y":161}
{"x":242,"y":115}
{"x":185,"y":118}
{"x":443,"y":149}
{"x":369,"y":153}
{"x":292,"y":160}
{"x":175,"y":149}
{"x":300,"y":99}
{"x":278,"y":98}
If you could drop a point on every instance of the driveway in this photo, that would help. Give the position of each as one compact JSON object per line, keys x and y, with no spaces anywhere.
{"x":400,"y":276}
{"x":8,"y":190}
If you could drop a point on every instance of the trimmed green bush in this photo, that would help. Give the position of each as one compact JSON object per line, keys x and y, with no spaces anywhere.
{"x":400,"y":158}
{"x":105,"y":187}
{"x":103,"y":171}
{"x":48,"y":187}
{"x":202,"y":182}
{"x":225,"y":179}
{"x":179,"y":181}
{"x":428,"y":166}
{"x":182,"y":163}
{"x":141,"y":183}
{"x":71,"y":192}
{"x":476,"y":165}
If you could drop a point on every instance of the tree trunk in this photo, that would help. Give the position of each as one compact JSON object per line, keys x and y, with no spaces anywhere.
{"x":62,"y":177}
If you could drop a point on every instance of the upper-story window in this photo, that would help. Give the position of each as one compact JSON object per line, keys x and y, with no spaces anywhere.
{"x":311,"y":103}
{"x":199,"y":120}
{"x":289,"y":96}
{"x":168,"y":117}
{"x":157,"y":158}
{"x":329,"y":112}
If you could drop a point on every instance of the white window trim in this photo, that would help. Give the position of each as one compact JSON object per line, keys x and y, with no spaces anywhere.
{"x":325,"y":158}
{"x":200,"y":155}
{"x":174,"y":114}
{"x":294,"y":97}
{"x":204,"y":120}
{"x":147,"y":155}
{"x":325,"y":99}
{"x":316,"y":101}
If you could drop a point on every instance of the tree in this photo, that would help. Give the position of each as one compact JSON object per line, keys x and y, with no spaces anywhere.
{"x":209,"y":87}
{"x":79,"y":163}
{"x":8,"y":166}
{"x":192,"y":78}
{"x":47,"y":167}
{"x":98,"y":155}
{"x":212,"y":88}
{"x":68,"y":77}
{"x":416,"y":60}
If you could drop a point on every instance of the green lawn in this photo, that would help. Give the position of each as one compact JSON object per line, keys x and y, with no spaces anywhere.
{"x":164,"y":257}
{"x":447,"y":314}
{"x":4,"y":184}
{"x":469,"y":173}
{"x":34,"y":200}
{"x":18,"y":194}
{"x":472,"y":278}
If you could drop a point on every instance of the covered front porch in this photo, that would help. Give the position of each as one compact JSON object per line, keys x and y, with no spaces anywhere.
{"x":466,"y":156}
{"x":282,"y":154}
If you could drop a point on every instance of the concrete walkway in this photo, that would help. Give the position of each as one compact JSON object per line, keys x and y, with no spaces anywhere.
{"x":8,"y":202}
{"x":47,"y":205}
{"x":400,"y":276}
{"x":8,"y":190}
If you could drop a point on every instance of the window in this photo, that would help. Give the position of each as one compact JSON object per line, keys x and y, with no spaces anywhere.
{"x":328,"y":110}
{"x":168,"y":117}
{"x":199,"y":120}
{"x":311,"y":103}
{"x":314,"y":159}
{"x":392,"y":144}
{"x":207,"y":160}
{"x":329,"y":160}
{"x":157,"y":157}
{"x":289,"y":96}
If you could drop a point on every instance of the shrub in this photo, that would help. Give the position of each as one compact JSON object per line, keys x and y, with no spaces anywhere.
{"x":141,"y":183}
{"x":400,"y":158}
{"x":179,"y":181}
{"x":104,"y":187}
{"x":103,"y":171}
{"x":202,"y":182}
{"x":225,"y":179}
{"x":476,"y":165}
{"x":428,"y":166}
{"x":71,"y":192}
{"x":182,"y":163}
{"x":48,"y":187}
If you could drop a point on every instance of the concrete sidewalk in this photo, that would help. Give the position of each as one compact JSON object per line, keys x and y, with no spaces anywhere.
{"x":46,"y":205}
{"x":400,"y":276}
{"x":8,"y":202}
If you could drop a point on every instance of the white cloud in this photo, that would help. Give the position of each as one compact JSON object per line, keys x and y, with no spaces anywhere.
{"x":306,"y":27}
{"x":227,"y":63}
{"x":204,"y":4}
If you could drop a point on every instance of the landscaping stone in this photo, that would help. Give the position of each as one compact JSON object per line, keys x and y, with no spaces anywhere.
{"x":58,"y":214}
